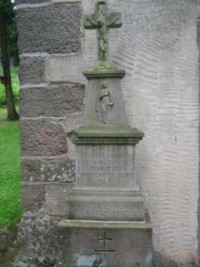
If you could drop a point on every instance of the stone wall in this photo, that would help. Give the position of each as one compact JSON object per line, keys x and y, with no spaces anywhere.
{"x":157,"y":48}
{"x":47,"y":112}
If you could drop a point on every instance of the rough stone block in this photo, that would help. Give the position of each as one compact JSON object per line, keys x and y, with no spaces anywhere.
{"x":32,"y":70}
{"x":33,"y":196}
{"x":40,"y":238}
{"x":108,"y":247}
{"x":56,"y":199}
{"x":42,"y":138}
{"x":53,"y":29}
{"x":56,"y":101}
{"x":48,"y":170}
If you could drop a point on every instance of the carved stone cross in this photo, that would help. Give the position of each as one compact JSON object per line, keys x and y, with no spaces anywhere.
{"x":104,"y":239}
{"x":104,"y":250}
{"x":102,"y":21}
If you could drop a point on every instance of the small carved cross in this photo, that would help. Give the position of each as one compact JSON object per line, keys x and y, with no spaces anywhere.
{"x":102,"y":21}
{"x":104,"y":250}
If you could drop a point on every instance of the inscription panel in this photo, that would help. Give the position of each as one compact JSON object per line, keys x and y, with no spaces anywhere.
{"x":110,"y":166}
{"x":123,"y":211}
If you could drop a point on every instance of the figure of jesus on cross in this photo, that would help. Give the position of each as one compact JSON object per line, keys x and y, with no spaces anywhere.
{"x":102,"y":21}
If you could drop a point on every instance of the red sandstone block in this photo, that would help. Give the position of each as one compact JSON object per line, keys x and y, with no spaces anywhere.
{"x":42,"y":138}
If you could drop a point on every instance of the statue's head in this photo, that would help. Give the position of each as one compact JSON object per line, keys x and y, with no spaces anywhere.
{"x":101,"y":6}
{"x":104,"y":85}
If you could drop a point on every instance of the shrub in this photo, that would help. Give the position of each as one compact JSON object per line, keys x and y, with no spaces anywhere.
{"x":15,"y":86}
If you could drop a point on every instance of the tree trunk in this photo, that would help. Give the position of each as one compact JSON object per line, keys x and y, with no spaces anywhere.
{"x":11,"y":110}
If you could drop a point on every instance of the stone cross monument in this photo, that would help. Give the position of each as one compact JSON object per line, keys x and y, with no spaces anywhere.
{"x":101,"y":21}
{"x":105,"y":224}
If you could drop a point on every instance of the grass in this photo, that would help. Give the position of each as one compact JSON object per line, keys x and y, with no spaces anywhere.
{"x":10,"y":193}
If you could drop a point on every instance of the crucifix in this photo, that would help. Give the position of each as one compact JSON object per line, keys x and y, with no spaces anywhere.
{"x":102,"y":22}
{"x":104,"y":250}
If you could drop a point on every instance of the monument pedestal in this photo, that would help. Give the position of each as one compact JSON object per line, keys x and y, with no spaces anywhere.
{"x":107,"y":244}
{"x":105,"y":186}
{"x":105,"y":224}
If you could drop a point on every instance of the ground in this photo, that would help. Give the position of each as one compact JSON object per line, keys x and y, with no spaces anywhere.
{"x":10,"y":196}
{"x":8,"y":246}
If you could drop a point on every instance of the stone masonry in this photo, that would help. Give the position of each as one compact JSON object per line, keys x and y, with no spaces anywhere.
{"x":47,"y":111}
{"x":157,"y":47}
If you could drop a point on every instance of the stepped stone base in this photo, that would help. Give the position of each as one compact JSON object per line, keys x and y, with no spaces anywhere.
{"x":107,"y":244}
{"x":109,"y":205}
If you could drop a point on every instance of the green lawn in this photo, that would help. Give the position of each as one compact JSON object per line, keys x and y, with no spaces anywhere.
{"x":10,"y":195}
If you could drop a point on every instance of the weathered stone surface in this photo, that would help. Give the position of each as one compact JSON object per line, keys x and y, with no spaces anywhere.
{"x":42,"y":138}
{"x":33,"y":196}
{"x":125,"y":248}
{"x":29,"y":261}
{"x":7,"y":238}
{"x":110,"y":166}
{"x":103,"y":204}
{"x":93,"y":113}
{"x":40,"y":238}
{"x":55,"y":101}
{"x":32,"y":70}
{"x":49,"y":198}
{"x":71,"y":122}
{"x":52,"y":28}
{"x":56,"y":199}
{"x":8,"y":246}
{"x":48,"y":170}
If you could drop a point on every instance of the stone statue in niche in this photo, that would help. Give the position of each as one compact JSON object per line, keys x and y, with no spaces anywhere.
{"x":102,"y":21}
{"x":105,"y":104}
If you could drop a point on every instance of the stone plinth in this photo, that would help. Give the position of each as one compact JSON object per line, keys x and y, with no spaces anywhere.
{"x":105,"y":223}
{"x":106,"y":204}
{"x":105,"y":185}
{"x":107,"y":244}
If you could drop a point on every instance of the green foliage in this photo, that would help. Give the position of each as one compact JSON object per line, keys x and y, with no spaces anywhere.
{"x":10,"y":14}
{"x":10,"y":195}
{"x":15,"y":86}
